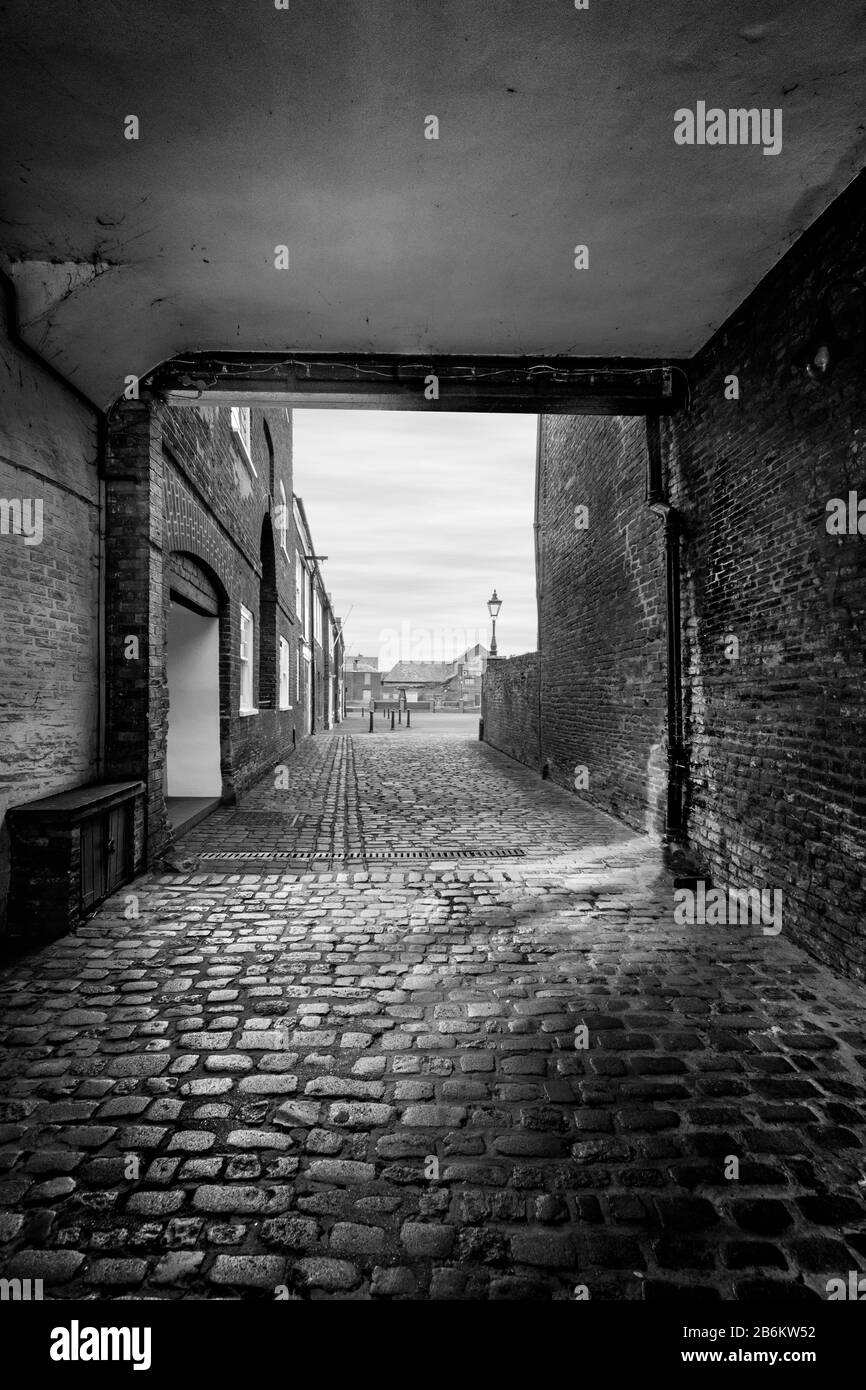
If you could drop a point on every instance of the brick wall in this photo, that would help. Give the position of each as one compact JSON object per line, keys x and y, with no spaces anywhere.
{"x":778,"y":736}
{"x":184,"y":505}
{"x":136,"y":705}
{"x":602,"y":615}
{"x":49,"y":592}
{"x":509,"y":707}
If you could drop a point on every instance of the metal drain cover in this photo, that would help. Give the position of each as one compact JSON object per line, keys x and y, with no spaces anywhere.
{"x":306,"y":856}
{"x":436,"y":853}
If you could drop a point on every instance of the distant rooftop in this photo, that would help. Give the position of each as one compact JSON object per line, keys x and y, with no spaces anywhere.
{"x":411,"y":672}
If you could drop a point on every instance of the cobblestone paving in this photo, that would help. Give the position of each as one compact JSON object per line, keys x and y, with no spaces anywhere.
{"x":370,"y":1082}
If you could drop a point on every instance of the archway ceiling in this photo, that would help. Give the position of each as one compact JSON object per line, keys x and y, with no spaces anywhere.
{"x":261,"y":127}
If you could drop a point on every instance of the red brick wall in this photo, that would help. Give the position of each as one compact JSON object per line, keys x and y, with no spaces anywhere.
{"x":49,"y":593}
{"x":509,"y":707}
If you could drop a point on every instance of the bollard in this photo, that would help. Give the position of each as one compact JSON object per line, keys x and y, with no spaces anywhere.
{"x":408,"y":718}
{"x":371,"y":721}
{"x":392,"y":719}
{"x":399,"y":716}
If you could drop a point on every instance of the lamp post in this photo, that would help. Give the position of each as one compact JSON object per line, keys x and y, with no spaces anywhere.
{"x":493,"y":606}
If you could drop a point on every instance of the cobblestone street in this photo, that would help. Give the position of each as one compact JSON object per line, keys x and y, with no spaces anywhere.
{"x":444,"y":1041}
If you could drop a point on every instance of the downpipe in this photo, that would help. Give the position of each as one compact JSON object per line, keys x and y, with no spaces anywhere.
{"x":677,"y":755}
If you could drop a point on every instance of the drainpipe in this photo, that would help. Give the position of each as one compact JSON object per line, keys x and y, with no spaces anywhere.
{"x":658,"y":502}
{"x":536,"y":526}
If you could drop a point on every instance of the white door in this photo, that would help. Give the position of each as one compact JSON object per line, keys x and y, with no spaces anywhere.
{"x":192,"y":668}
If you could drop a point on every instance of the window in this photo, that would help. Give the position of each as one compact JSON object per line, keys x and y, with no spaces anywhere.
{"x":298,"y":673}
{"x":246,"y":653}
{"x":299,"y":590}
{"x":308,"y":608}
{"x":283,"y":520}
{"x":285,"y":692}
{"x":367,"y":679}
{"x":241,"y":432}
{"x":317,"y":617}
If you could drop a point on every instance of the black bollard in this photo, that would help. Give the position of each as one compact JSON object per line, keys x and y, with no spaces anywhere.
{"x":392,"y":719}
{"x":399,"y":716}
{"x":371,"y":721}
{"x":408,"y":718}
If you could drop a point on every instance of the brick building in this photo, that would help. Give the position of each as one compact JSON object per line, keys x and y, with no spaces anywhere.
{"x":701,"y":630}
{"x":318,"y":652}
{"x":465,"y":685}
{"x":421,"y":681}
{"x":176,"y":640}
{"x":363,"y":680}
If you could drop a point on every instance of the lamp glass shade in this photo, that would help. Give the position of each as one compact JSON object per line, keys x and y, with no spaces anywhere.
{"x":493,"y":605}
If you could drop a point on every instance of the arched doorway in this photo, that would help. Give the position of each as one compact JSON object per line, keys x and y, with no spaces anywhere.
{"x":193,"y":777}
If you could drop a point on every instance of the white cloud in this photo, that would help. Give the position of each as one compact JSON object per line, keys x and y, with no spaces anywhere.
{"x":421,"y":516}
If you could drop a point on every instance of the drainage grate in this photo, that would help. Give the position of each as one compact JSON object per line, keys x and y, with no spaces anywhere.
{"x":250,"y":854}
{"x":306,"y":856}
{"x":436,"y":853}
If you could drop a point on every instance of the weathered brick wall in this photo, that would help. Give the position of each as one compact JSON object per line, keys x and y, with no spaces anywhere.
{"x":181,"y":501}
{"x":778,"y":735}
{"x":214,"y":511}
{"x":136,"y":707}
{"x":509,"y":707}
{"x":49,"y":592}
{"x":602,"y":616}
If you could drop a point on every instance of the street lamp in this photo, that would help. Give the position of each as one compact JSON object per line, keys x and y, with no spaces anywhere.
{"x":493,"y":606}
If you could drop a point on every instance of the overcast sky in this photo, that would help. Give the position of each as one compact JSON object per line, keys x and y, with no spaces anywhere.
{"x":421,"y":516}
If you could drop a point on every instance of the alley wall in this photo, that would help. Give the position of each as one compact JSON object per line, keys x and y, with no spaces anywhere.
{"x":773,"y":604}
{"x":49,"y":589}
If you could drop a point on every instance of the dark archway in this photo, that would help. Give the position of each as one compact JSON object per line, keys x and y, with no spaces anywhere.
{"x":269,"y":445}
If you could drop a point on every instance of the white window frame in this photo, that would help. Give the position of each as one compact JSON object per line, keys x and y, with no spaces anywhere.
{"x":307,"y":620}
{"x":299,"y":591}
{"x":285,"y":674}
{"x":247,"y":653}
{"x":283,"y":521}
{"x":241,"y":420}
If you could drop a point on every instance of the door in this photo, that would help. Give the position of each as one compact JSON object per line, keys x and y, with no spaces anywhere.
{"x":105,"y":845}
{"x":117,"y":847}
{"x":93,"y":861}
{"x":192,"y":668}
{"x":308,"y":693}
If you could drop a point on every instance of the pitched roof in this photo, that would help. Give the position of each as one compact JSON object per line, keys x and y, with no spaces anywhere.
{"x":411,"y":672}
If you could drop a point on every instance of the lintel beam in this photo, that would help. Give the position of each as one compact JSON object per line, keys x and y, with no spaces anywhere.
{"x":537,"y":385}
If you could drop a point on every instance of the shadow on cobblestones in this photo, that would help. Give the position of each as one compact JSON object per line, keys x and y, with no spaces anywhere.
{"x":494,"y":1080}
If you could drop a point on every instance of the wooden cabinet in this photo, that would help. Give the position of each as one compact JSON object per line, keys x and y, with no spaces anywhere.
{"x":70,"y":852}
